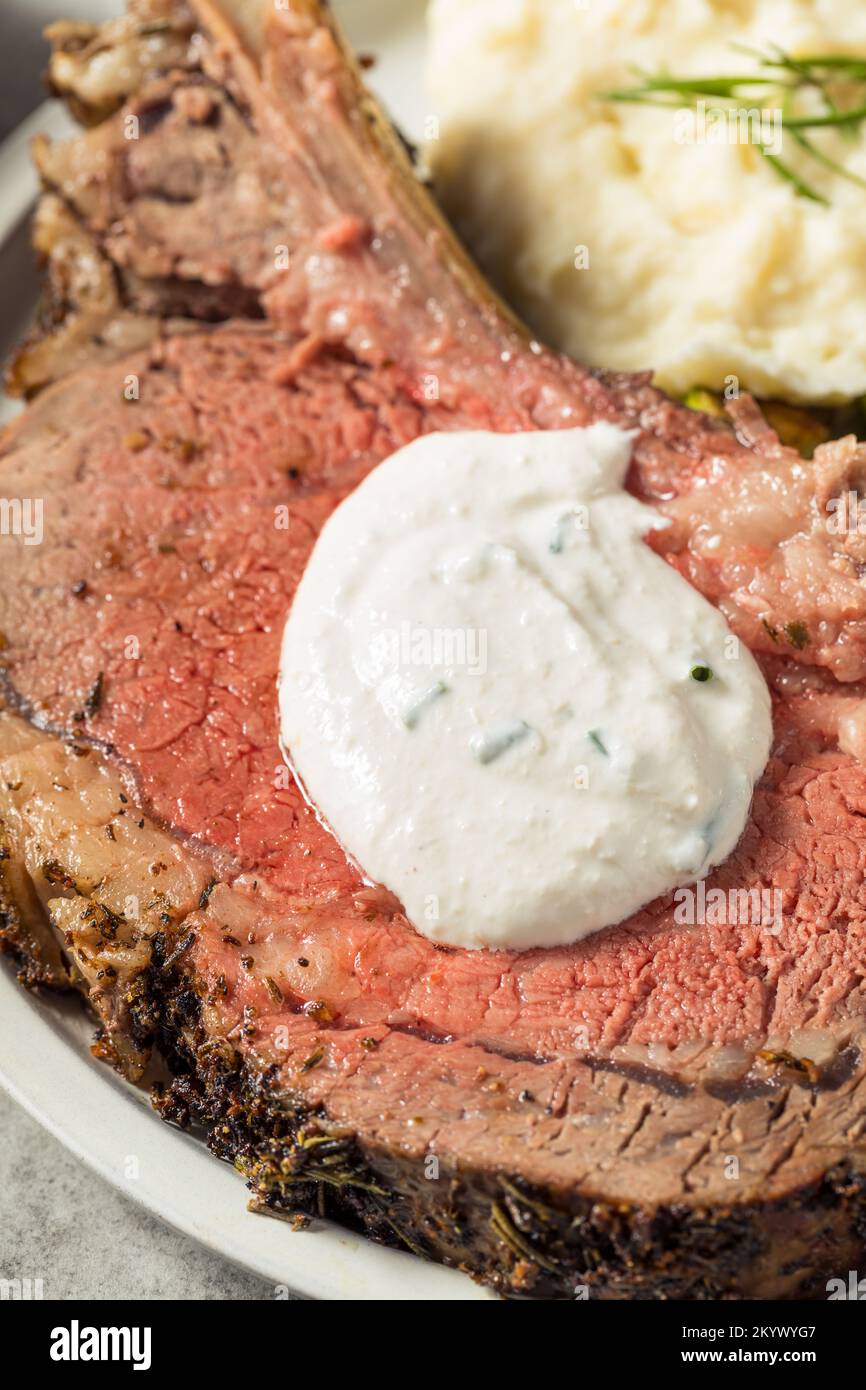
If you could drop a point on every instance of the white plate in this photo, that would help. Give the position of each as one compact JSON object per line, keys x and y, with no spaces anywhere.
{"x":45,"y":1061}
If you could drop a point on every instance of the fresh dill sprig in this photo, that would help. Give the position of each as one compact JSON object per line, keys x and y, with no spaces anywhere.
{"x":780,"y":77}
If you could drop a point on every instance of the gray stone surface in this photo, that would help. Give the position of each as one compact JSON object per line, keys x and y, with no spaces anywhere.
{"x":62,"y":1224}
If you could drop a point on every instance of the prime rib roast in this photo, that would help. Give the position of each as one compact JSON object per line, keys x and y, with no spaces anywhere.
{"x":250,"y":301}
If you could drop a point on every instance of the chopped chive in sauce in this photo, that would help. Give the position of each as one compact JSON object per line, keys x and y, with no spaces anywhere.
{"x":708,"y":834}
{"x":557,"y":545}
{"x":595,"y":739}
{"x":490,"y":746}
{"x":412,"y":717}
{"x":701,"y":673}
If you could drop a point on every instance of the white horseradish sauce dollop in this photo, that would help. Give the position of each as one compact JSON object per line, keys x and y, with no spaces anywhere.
{"x":508,"y":709}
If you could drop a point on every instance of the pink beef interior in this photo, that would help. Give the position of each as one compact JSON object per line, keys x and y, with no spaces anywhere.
{"x":188,"y":582}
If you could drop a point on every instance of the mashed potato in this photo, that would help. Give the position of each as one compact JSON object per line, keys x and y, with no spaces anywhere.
{"x":622,"y":244}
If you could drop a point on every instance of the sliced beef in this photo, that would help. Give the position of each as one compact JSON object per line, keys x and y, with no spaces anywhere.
{"x":189,"y":573}
{"x":665,"y":1109}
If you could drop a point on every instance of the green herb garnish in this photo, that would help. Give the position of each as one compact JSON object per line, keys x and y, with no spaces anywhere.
{"x":781,"y":79}
{"x":490,"y":746}
{"x":701,"y":673}
{"x":557,"y":545}
{"x":595,"y":739}
{"x":413,"y":714}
